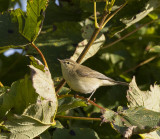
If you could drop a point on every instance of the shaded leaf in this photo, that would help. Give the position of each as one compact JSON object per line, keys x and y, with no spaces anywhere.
{"x":9,"y":36}
{"x":131,"y":14}
{"x":71,"y":105}
{"x":75,"y":133}
{"x":24,"y":127}
{"x":37,"y":110}
{"x":134,"y":121}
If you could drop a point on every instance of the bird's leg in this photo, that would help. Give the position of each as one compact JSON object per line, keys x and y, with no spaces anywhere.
{"x":95,"y":15}
{"x":91,"y":95}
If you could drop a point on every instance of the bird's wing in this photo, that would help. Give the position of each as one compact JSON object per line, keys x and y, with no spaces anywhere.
{"x":89,"y":73}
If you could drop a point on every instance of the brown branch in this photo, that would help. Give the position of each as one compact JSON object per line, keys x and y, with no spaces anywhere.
{"x":60,"y":85}
{"x":141,"y":64}
{"x":125,"y":36}
{"x":80,"y":97}
{"x":93,"y":37}
{"x":42,"y":56}
{"x":78,"y":118}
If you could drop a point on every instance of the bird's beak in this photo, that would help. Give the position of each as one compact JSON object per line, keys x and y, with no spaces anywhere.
{"x":59,"y":60}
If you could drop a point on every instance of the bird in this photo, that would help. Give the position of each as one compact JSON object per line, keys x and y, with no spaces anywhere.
{"x":83,"y":79}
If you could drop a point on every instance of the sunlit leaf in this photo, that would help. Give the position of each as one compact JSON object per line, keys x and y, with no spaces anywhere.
{"x":137,"y":98}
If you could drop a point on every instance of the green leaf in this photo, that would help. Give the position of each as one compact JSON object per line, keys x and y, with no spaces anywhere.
{"x":109,"y":115}
{"x":155,"y":49}
{"x":30,"y":24}
{"x":75,"y":133}
{"x":9,"y":36}
{"x":24,"y":127}
{"x":45,"y":135}
{"x":71,"y":105}
{"x":134,"y":121}
{"x":17,"y":64}
{"x":4,"y":5}
{"x":21,"y":92}
{"x":131,"y":14}
{"x":38,"y":105}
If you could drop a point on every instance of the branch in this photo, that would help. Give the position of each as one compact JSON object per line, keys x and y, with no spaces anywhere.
{"x":78,"y":118}
{"x":141,"y":64}
{"x":83,"y":98}
{"x":125,"y":36}
{"x":42,"y":56}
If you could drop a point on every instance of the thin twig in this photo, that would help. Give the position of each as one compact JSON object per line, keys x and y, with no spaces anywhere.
{"x":110,"y":17}
{"x":125,"y":36}
{"x":80,"y":97}
{"x":60,"y":85}
{"x":78,"y":118}
{"x":141,"y":64}
{"x":1,"y":85}
{"x":39,"y":51}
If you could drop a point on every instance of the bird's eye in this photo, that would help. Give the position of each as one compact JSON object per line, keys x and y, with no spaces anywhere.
{"x":68,"y":63}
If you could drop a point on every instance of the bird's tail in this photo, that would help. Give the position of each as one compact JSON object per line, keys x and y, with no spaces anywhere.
{"x":121,"y":83}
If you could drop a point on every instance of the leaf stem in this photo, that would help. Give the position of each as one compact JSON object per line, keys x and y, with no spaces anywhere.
{"x":39,"y":51}
{"x":1,"y":85}
{"x":78,"y":118}
{"x":80,"y":97}
{"x":125,"y":36}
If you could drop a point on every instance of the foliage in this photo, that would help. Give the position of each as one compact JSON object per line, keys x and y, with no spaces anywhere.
{"x":29,"y":106}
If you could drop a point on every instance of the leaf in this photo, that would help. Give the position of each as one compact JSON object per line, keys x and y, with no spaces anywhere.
{"x":43,"y":83}
{"x":16,"y":64}
{"x":137,"y":98}
{"x":4,"y":5}
{"x":152,"y":135}
{"x":45,"y":135}
{"x":24,"y":127}
{"x":132,"y":14}
{"x":38,"y":105}
{"x":155,"y":49}
{"x":30,"y":23}
{"x":71,"y":105}
{"x":133,"y":121}
{"x":21,"y":92}
{"x":75,"y":133}
{"x":87,"y":33}
{"x":9,"y":36}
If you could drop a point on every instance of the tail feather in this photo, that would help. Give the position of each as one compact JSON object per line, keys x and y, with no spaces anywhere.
{"x":121,"y":83}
